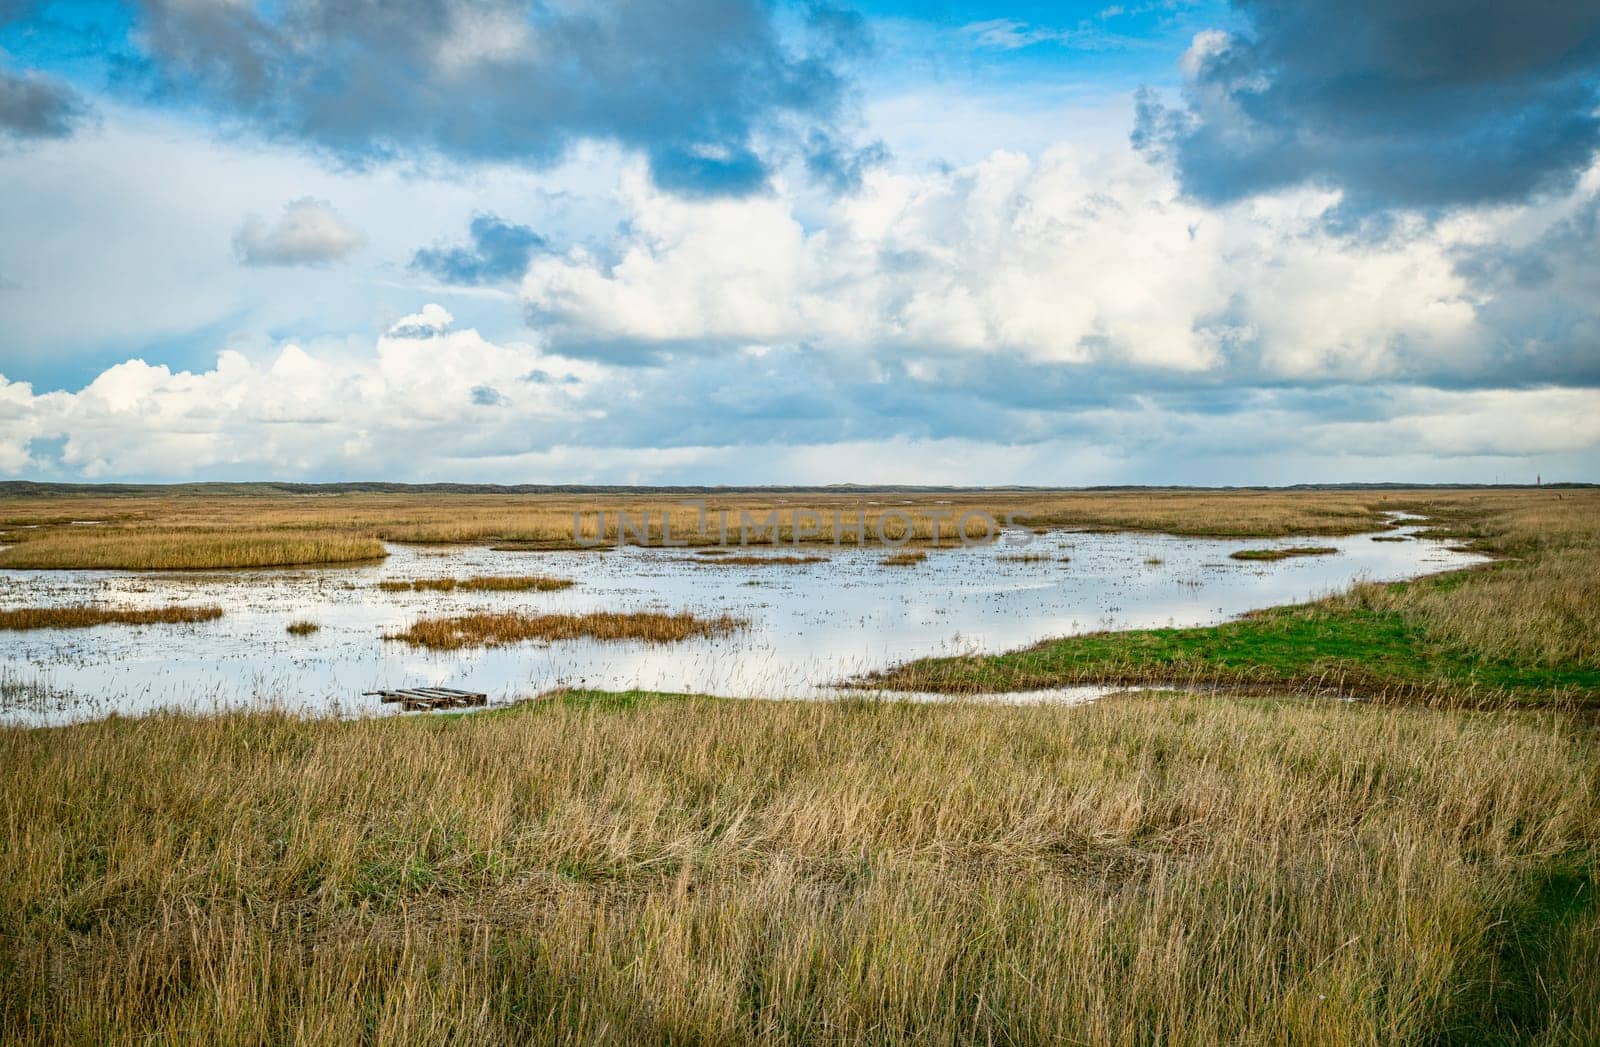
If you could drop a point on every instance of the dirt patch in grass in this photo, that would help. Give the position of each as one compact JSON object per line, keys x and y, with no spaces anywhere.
{"x":480,"y":583}
{"x":1281,"y":554}
{"x":81,"y":617}
{"x":497,"y":630}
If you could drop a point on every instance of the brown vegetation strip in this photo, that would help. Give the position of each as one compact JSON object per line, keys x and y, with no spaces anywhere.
{"x":264,"y":525}
{"x":759,"y":561}
{"x":139,"y":550}
{"x":1280,"y":554}
{"x":81,"y":617}
{"x":904,"y":559}
{"x":496,"y":630}
{"x":480,"y":583}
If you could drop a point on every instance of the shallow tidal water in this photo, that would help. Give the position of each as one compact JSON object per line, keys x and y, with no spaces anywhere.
{"x":811,"y":625}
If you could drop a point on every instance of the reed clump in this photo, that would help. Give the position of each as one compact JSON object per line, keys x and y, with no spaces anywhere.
{"x":84,"y":616}
{"x":736,"y":560}
{"x":480,"y":583}
{"x":1283,"y":554}
{"x":904,"y":559}
{"x":496,"y":630}
{"x":182,"y":550}
{"x":616,"y":869}
{"x":301,"y":628}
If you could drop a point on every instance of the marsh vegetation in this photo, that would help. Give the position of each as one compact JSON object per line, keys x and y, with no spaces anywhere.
{"x":82,"y":617}
{"x":482,"y":583}
{"x":1230,"y":862}
{"x":630,"y":868}
{"x":212,"y":527}
{"x":735,"y":560}
{"x":1523,"y":628}
{"x":499,"y":629}
{"x":145,"y":549}
{"x":1285,"y":553}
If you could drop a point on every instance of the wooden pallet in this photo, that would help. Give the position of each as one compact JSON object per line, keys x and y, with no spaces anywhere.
{"x":420,"y":698}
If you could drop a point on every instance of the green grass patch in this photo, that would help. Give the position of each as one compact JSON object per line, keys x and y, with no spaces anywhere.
{"x":1520,"y":990}
{"x":1356,"y":651}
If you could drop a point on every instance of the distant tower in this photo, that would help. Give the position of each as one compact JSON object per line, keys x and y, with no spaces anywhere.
{"x":1538,"y":480}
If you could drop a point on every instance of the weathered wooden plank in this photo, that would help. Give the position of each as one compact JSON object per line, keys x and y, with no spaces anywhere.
{"x":421,"y":698}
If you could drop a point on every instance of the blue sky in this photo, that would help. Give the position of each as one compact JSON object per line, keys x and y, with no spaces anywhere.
{"x":731,"y":241}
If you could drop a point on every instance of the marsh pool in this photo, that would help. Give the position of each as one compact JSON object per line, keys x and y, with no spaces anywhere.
{"x":811,"y":625}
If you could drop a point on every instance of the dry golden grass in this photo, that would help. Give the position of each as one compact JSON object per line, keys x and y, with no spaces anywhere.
{"x":497,"y":630}
{"x":301,"y":628}
{"x":1168,"y":870}
{"x":81,"y":617}
{"x":1539,"y":602}
{"x":260,"y":527}
{"x":905,"y":559}
{"x":1283,"y":554}
{"x":481,"y":583}
{"x":174,"y":550}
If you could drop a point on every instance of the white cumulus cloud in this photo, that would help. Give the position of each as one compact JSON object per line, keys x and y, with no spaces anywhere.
{"x":1069,"y":258}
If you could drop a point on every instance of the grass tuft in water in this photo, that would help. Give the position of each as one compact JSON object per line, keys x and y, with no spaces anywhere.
{"x":1283,"y":554}
{"x":496,"y":630}
{"x":479,"y":583}
{"x":82,"y":617}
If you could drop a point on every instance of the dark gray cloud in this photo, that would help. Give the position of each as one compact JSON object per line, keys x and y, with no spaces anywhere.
{"x":1400,"y":103}
{"x":1541,"y":301}
{"x":37,"y":106}
{"x":499,"y":250}
{"x":695,"y":84}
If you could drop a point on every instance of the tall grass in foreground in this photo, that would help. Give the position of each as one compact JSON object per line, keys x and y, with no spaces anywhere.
{"x":1159,"y":870}
{"x":81,"y":617}
{"x":496,"y":630}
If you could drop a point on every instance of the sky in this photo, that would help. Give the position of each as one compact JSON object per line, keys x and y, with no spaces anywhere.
{"x":736,"y":242}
